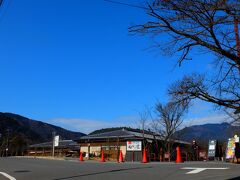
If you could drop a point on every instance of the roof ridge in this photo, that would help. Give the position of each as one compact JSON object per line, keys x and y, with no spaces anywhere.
{"x":103,"y":133}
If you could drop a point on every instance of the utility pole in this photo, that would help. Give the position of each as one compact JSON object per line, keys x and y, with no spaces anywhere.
{"x":7,"y":143}
{"x":237,"y":35}
{"x":235,"y":16}
{"x":53,"y":143}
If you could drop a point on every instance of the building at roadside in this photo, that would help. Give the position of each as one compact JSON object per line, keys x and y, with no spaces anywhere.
{"x":64,"y":148}
{"x":130,"y":142}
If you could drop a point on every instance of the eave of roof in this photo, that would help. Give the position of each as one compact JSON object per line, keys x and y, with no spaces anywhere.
{"x":119,"y":134}
{"x":125,"y":134}
{"x":62,"y":144}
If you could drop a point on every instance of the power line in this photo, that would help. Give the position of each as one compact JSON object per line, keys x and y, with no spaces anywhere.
{"x":126,"y":4}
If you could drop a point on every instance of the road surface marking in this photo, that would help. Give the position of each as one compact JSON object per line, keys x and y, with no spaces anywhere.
{"x":7,"y":176}
{"x":198,"y":170}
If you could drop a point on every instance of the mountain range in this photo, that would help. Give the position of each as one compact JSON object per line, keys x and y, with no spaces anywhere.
{"x":206,"y":132}
{"x":200,"y":133}
{"x":14,"y":126}
{"x":32,"y":131}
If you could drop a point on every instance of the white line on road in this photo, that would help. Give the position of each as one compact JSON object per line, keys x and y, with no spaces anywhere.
{"x":7,"y":176}
{"x":198,"y":170}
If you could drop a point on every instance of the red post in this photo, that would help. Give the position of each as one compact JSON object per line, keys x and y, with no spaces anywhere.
{"x":237,"y":35}
{"x":161,"y":155}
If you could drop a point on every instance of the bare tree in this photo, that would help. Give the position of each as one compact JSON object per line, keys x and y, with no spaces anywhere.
{"x":143,"y":121}
{"x":167,"y":121}
{"x":196,"y":86}
{"x":210,"y":26}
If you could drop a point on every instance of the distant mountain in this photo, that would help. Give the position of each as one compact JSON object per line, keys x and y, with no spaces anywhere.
{"x":205,"y":132}
{"x":201,"y":133}
{"x":13,"y":126}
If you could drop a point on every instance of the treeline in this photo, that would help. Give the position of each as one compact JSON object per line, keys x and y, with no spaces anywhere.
{"x":12,"y":144}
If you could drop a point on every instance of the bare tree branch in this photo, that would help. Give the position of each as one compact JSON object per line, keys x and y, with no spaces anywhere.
{"x":209,"y":25}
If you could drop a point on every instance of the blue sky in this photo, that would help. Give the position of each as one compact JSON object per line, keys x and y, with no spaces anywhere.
{"x":71,"y":62}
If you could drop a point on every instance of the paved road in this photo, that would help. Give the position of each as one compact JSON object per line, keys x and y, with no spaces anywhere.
{"x":42,"y":169}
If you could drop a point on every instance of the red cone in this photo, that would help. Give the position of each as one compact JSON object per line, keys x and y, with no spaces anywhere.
{"x":81,"y":157}
{"x":144,"y":160}
{"x":178,"y":158}
{"x":120,"y":157}
{"x":102,"y":157}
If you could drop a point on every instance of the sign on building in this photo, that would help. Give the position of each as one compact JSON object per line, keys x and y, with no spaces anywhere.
{"x":56,"y":141}
{"x":230,"y":148}
{"x":212,"y":148}
{"x":134,"y":145}
{"x":236,"y":139}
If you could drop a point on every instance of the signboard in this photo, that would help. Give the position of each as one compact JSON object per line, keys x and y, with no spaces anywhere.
{"x":212,"y":148}
{"x":202,"y":154}
{"x":230,"y":148}
{"x":166,"y":155}
{"x":56,"y":141}
{"x":236,"y":139}
{"x":134,"y":145}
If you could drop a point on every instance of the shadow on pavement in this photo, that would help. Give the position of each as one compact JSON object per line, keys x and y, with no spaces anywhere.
{"x":22,"y":171}
{"x":236,"y":178}
{"x":103,"y":172}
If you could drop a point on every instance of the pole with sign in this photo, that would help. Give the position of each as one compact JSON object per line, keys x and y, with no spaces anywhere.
{"x":53,"y":146}
{"x":55,"y":142}
{"x":212,"y":149}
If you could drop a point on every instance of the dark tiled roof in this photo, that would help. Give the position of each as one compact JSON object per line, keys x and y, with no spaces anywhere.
{"x":62,"y":144}
{"x":125,"y":134}
{"x":112,"y":134}
{"x":120,"y":134}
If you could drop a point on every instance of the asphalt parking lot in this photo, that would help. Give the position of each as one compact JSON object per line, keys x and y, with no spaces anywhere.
{"x":43,"y":169}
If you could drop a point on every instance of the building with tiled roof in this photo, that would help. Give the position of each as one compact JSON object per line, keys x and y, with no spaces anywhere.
{"x":130,"y":142}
